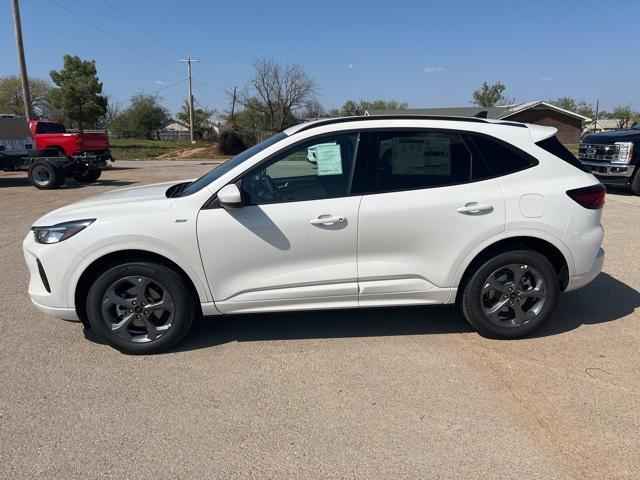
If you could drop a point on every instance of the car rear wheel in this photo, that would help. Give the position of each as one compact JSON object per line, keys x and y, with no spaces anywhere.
{"x":140,"y":307}
{"x":511,"y":295}
{"x":89,"y":175}
{"x":44,"y":175}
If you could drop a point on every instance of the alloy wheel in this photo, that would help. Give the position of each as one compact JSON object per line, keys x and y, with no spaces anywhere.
{"x":138,"y":309}
{"x":513,"y":295}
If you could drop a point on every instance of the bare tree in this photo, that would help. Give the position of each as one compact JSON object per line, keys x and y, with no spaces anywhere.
{"x":281,"y":91}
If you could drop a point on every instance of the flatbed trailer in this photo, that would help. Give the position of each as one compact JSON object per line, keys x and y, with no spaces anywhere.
{"x":47,"y":170}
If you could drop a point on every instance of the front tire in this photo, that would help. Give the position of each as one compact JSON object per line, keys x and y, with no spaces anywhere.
{"x":635,"y":182}
{"x":511,"y":295}
{"x":140,"y":307}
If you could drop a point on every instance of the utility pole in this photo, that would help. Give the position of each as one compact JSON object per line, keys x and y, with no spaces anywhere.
{"x":595,"y":122}
{"x":26,"y":95}
{"x":233,"y":103}
{"x":189,"y":61}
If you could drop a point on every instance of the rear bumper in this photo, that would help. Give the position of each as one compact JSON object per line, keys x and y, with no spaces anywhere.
{"x":579,"y":281}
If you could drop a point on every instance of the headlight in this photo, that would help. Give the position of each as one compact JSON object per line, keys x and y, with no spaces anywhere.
{"x":61,"y":231}
{"x":625,"y":152}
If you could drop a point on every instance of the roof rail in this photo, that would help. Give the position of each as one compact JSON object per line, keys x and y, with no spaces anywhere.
{"x":330,"y":121}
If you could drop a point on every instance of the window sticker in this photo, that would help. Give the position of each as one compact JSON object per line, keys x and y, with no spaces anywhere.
{"x":328,"y":159}
{"x":421,"y":156}
{"x":312,"y":153}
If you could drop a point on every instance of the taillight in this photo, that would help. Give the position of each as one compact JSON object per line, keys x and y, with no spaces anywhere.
{"x":591,"y":197}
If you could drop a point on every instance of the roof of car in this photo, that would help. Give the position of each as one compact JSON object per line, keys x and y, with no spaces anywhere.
{"x":329,"y":121}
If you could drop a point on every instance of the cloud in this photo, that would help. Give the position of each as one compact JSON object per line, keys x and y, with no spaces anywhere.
{"x":433,"y":69}
{"x":351,"y":66}
{"x":545,"y":79}
{"x":160,"y":82}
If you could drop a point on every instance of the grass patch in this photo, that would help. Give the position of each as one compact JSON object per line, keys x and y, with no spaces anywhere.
{"x":136,"y":149}
{"x":573,"y":148}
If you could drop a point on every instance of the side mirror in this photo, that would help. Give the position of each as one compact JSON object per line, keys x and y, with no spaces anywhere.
{"x":229,"y":196}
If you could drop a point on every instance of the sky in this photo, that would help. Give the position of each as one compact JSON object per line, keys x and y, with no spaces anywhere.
{"x":426,"y":53}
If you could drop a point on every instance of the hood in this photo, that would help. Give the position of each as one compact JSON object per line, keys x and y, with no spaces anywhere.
{"x":612,"y":137}
{"x":131,"y":200}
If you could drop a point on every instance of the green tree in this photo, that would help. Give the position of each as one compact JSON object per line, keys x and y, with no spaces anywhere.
{"x":352,"y":108}
{"x":201,"y":117}
{"x":11,"y":96}
{"x":625,"y":115}
{"x":143,"y":115}
{"x":78,"y":93}
{"x":569,"y":103}
{"x":490,"y":95}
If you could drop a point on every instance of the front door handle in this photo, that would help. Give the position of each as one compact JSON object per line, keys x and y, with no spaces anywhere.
{"x":327,"y":220}
{"x":475,"y":207}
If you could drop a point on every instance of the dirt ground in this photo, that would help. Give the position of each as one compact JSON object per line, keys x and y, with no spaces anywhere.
{"x":384,"y":393}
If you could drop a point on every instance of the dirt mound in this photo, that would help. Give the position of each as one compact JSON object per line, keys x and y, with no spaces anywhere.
{"x":193,"y":153}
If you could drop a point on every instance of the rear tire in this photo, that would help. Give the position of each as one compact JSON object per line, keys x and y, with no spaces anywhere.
{"x":88,"y":176}
{"x":511,"y":295}
{"x":44,"y":175}
{"x":140,"y":307}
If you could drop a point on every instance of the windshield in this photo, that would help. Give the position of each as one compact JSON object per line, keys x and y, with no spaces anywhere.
{"x":217,"y":172}
{"x":636,"y":126}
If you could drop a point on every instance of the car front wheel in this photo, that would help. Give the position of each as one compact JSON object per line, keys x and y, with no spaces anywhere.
{"x":511,"y":295}
{"x":140,"y":307}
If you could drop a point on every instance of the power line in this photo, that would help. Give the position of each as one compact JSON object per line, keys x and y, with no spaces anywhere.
{"x":141,"y":28}
{"x":155,"y":37}
{"x":168,"y":86}
{"x":109,"y":34}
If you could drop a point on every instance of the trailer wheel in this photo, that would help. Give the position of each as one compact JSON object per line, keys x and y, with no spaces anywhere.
{"x":88,"y":176}
{"x":44,"y":176}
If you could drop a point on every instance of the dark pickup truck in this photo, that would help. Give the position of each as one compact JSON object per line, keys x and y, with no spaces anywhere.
{"x":613,"y":157}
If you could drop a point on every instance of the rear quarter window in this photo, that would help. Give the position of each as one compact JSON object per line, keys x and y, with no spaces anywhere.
{"x":500,"y":157}
{"x":554,"y":147}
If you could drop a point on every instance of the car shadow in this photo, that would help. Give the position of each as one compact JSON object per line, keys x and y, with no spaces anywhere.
{"x":69,"y":184}
{"x":606,"y":299}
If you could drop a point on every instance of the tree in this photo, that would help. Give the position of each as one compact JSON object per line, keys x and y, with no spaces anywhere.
{"x":625,"y":116}
{"x":569,"y":103}
{"x":352,"y":108}
{"x":143,"y":115}
{"x":201,"y":117}
{"x":280,"y":91}
{"x":490,"y":95}
{"x":11,"y":96}
{"x":313,"y":109}
{"x":78,"y":96}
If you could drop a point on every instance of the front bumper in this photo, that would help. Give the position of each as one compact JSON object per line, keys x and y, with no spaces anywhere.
{"x":47,"y":266}
{"x":579,"y":281}
{"x":609,"y":173}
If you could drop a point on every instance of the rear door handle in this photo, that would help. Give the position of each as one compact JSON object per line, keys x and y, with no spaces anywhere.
{"x":475,"y":207}
{"x":327,"y":220}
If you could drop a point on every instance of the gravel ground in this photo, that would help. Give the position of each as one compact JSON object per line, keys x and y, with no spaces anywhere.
{"x":385,"y":393}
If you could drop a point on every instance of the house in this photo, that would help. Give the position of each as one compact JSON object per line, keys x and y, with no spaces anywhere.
{"x":569,"y":124}
{"x":602,"y":125}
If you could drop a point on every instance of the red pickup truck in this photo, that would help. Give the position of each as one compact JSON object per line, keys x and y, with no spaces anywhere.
{"x":54,"y":136}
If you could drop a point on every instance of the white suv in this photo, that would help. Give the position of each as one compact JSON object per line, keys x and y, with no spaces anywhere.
{"x":352,"y":212}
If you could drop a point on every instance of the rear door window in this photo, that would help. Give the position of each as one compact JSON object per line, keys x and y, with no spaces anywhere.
{"x":406,"y":160}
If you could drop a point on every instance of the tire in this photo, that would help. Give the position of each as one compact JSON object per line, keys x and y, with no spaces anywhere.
{"x":88,"y":176}
{"x":61,"y":177}
{"x":635,"y":182}
{"x":522,"y":310}
{"x":117,"y":315}
{"x":44,"y":175}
